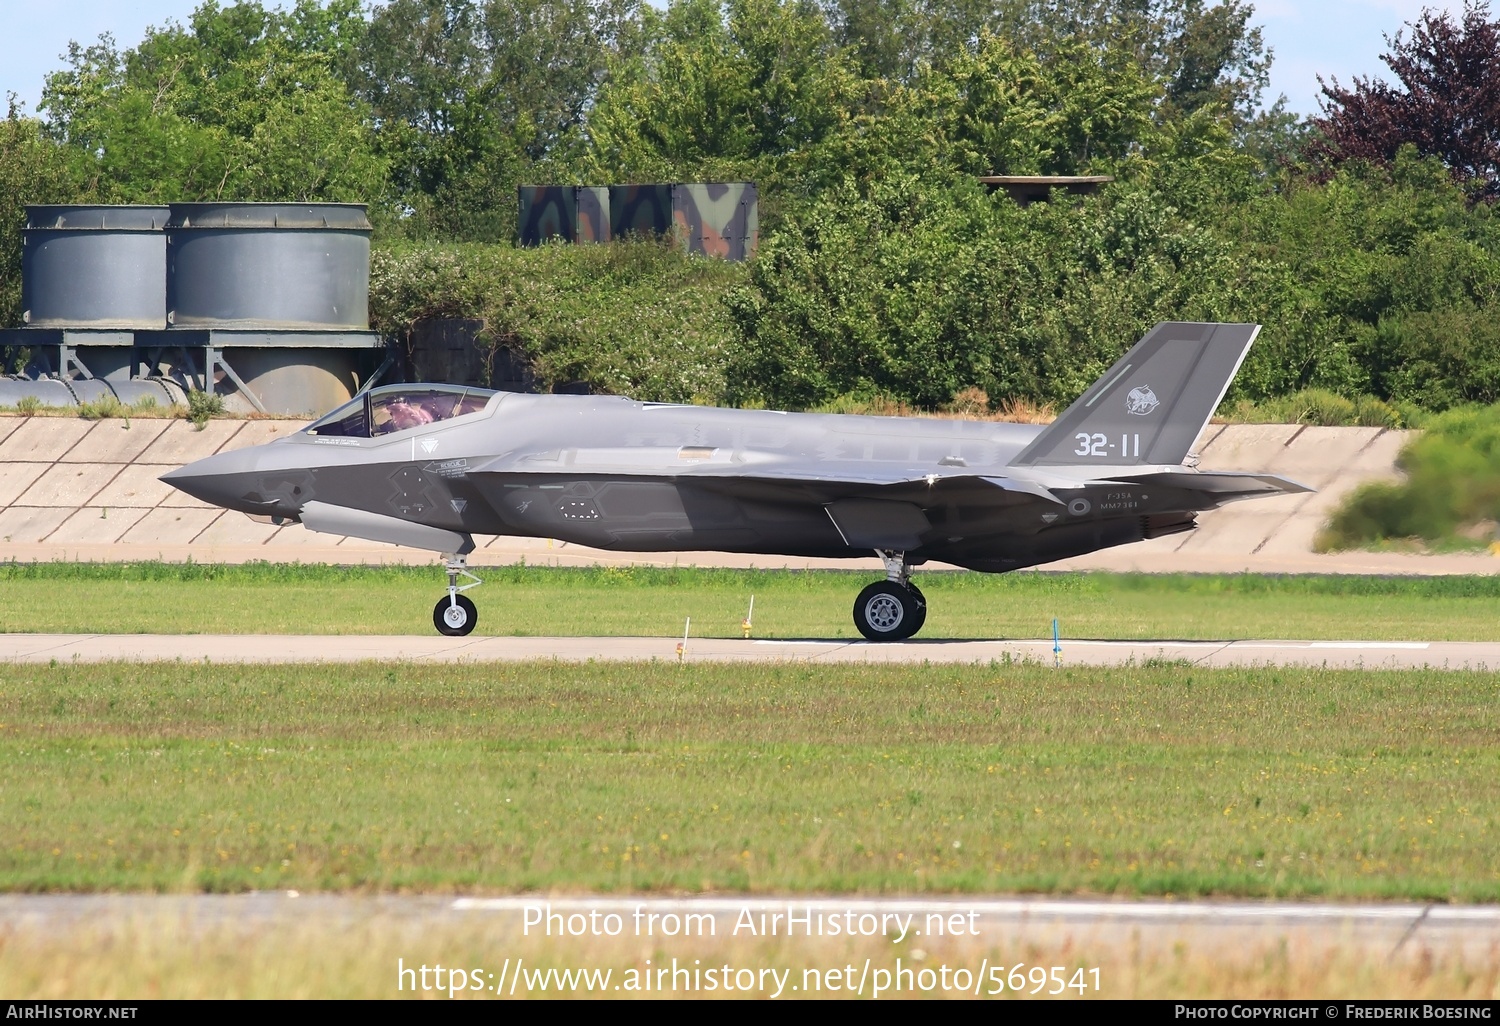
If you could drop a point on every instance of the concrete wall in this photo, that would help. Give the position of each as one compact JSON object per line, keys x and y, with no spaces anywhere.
{"x":88,"y":490}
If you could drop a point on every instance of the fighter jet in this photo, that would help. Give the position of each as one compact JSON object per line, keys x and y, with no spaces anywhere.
{"x":431,"y":465}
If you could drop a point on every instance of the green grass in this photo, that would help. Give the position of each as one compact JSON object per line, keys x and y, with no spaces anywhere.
{"x":659,"y":777}
{"x":542,"y":601}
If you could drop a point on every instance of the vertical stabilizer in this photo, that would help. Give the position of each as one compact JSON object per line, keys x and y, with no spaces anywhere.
{"x":1148,"y":408}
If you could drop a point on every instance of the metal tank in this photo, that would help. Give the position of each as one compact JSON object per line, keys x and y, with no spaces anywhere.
{"x":47,"y":391}
{"x":56,"y":392}
{"x":292,"y":382}
{"x":277,"y":295}
{"x":287,"y":266}
{"x":94,"y":267}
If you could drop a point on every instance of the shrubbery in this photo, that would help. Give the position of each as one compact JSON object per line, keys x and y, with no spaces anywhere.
{"x":1452,"y":486}
{"x":1379,"y":294}
{"x":1322,"y":407}
{"x":636,"y":318}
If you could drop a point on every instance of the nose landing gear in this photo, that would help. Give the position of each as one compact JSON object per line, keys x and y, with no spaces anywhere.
{"x":455,"y":615}
{"x":893,"y":609}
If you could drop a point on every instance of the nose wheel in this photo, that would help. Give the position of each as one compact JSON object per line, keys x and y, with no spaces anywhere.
{"x":893,"y":609}
{"x":455,"y":615}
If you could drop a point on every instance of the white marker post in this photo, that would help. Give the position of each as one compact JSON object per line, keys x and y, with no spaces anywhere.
{"x":749,"y":617}
{"x":1056,"y":646}
{"x":682,"y":645}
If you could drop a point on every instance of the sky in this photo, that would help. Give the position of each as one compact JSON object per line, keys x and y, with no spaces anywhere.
{"x":1334,"y":38}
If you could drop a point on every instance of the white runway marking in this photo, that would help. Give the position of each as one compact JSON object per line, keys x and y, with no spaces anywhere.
{"x":1157,"y":922}
{"x":1011,"y":909}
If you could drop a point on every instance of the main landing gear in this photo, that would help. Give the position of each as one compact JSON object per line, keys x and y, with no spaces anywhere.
{"x":455,"y":615}
{"x":893,"y":609}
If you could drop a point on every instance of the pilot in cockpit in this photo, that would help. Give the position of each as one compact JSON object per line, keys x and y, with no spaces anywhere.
{"x":405,"y":414}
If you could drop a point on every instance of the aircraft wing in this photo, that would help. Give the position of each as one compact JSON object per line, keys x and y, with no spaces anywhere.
{"x":765,"y":474}
{"x":874,"y":505}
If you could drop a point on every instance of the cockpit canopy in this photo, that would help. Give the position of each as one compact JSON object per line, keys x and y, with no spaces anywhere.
{"x":391,"y":408}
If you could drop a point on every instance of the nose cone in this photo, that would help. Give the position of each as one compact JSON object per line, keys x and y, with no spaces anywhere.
{"x":228,"y":479}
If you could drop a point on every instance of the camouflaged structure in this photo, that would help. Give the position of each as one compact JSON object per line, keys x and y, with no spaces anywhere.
{"x":720,"y":219}
{"x":573,"y":213}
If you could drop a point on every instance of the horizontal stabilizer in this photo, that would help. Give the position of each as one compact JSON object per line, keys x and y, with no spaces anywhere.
{"x":1224,"y":485}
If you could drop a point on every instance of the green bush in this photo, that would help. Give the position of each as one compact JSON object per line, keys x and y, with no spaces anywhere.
{"x":105,"y":406}
{"x":1452,"y":487}
{"x":637,"y":318}
{"x":203,"y":405}
{"x":919,"y":287}
{"x":1318,"y":406}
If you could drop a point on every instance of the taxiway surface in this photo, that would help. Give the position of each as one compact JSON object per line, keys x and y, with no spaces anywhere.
{"x":1383,"y":929}
{"x":262,"y":648}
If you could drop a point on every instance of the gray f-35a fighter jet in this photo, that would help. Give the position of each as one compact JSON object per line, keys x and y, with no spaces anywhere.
{"x":430,"y":466}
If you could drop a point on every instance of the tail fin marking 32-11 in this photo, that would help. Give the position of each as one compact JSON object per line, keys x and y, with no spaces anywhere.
{"x":1148,"y":409}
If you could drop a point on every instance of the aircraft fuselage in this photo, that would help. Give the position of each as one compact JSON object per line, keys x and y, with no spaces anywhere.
{"x":617,"y":474}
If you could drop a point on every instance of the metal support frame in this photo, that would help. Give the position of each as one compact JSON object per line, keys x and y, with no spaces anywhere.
{"x":897,"y":569}
{"x":147,"y":362}
{"x":457,"y":565}
{"x":68,"y":363}
{"x":57,"y":352}
{"x":213,"y":359}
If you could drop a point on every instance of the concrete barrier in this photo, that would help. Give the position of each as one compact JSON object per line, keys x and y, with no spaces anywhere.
{"x":73,"y":489}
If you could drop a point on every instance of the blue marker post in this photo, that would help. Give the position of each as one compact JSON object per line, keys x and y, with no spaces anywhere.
{"x":1056,"y":646}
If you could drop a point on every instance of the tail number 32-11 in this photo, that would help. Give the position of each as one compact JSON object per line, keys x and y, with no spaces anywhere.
{"x":1097,"y":444}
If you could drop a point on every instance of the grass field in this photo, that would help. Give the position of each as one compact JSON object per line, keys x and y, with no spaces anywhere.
{"x":658,"y":777}
{"x":519,"y":600}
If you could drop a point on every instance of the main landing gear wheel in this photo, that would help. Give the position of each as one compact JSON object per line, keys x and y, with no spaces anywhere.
{"x":455,"y":616}
{"x":921,"y":609}
{"x":887,"y":611}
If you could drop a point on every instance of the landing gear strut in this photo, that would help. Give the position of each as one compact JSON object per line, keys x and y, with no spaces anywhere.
{"x":893,"y":609}
{"x":455,"y":615}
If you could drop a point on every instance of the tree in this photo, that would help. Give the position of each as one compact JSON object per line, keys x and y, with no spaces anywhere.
{"x":33,"y":169}
{"x":1010,"y":112}
{"x":1202,"y":53}
{"x":1212,"y":55}
{"x":243,"y":103}
{"x":739,"y":88}
{"x":1447,"y":102}
{"x":470,"y":94}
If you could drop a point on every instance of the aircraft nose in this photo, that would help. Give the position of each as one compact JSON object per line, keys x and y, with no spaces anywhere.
{"x":221,"y":480}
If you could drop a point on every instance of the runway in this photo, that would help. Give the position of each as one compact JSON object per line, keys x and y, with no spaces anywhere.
{"x":282,"y":648}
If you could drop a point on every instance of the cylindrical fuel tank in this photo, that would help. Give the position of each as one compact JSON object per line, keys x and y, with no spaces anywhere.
{"x":94,"y":267}
{"x":268,"y":265}
{"x":47,"y":391}
{"x":297,"y":382}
